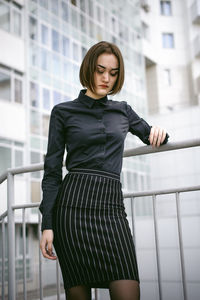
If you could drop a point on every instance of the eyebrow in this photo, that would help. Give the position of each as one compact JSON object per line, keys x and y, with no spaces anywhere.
{"x":105,"y":67}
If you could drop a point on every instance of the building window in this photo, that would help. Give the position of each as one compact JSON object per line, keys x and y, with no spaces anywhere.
{"x":65,"y":46}
{"x":18,"y":90}
{"x":65,"y":12}
{"x":10,"y":81}
{"x":34,"y":94}
{"x":165,"y":8}
{"x":46,"y":99}
{"x":11,"y":18}
{"x":33,"y":28}
{"x":11,"y":154}
{"x":145,"y":31}
{"x":44,"y":34}
{"x":167,"y":77}
{"x":5,"y":87}
{"x":55,"y":40}
{"x":168,"y":40}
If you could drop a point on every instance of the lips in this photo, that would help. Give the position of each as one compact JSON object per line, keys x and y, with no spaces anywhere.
{"x":103,"y":86}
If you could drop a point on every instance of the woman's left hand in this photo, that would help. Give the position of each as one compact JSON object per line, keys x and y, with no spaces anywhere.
{"x":157,"y":136}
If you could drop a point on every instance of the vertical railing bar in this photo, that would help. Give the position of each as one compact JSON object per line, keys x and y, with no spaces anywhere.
{"x":58,"y":279}
{"x":157,"y":247}
{"x":40,"y":257}
{"x":181,"y":247}
{"x":133,"y":219}
{"x":3,"y":260}
{"x":24,"y":252}
{"x":11,"y":237}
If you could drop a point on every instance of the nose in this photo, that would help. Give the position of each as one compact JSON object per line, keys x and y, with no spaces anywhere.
{"x":106,"y":76}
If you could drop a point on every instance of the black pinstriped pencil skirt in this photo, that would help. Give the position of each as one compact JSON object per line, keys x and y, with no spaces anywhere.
{"x":92,"y":237}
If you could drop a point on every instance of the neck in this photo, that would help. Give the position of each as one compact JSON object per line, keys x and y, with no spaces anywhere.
{"x":89,"y":93}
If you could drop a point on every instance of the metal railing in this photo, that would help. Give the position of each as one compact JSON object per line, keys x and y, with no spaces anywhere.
{"x":11,"y":207}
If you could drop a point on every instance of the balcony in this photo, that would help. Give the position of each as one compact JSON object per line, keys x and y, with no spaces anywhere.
{"x":195,"y":12}
{"x":196,"y":46}
{"x":165,"y":240}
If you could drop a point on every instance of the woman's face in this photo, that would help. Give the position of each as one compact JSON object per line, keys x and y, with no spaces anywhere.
{"x":105,"y":75}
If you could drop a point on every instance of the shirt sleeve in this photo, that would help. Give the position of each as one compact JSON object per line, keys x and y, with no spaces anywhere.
{"x":53,"y":162}
{"x":139,"y":127}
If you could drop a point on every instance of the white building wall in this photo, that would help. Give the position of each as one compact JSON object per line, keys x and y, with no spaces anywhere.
{"x":12,"y":51}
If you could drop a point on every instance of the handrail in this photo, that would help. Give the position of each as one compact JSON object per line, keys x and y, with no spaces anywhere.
{"x":141,"y":150}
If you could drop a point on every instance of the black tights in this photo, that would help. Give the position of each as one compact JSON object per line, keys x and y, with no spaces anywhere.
{"x":118,"y":289}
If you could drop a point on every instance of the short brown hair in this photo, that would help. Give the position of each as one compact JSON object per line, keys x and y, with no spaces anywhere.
{"x":89,"y":64}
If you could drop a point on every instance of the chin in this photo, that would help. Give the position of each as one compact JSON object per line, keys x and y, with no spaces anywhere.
{"x":102,"y":92}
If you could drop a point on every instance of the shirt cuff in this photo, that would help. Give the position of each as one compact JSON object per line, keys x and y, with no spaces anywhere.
{"x":46,"y":222}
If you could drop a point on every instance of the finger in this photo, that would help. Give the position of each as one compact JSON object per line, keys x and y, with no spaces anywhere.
{"x":49,"y":247}
{"x":151,"y":135}
{"x":163,"y":136}
{"x":160,"y":133}
{"x":155,"y":137}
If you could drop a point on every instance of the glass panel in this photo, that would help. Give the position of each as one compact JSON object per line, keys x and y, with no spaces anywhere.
{"x":91,"y":29}
{"x":56,"y":97}
{"x":55,"y":40}
{"x":56,"y":65}
{"x":18,"y":158}
{"x":45,"y":60}
{"x":18,"y":90}
{"x":75,"y":52}
{"x":35,"y":143}
{"x":44,"y":3}
{"x":34,"y":94}
{"x":168,"y":40}
{"x":5,"y":87}
{"x":54,"y":7}
{"x":76,"y":74}
{"x":45,"y":125}
{"x":65,"y":46}
{"x":4,"y":17}
{"x":46,"y":98}
{"x":44,"y":34}
{"x":17,"y":24}
{"x":65,"y":12}
{"x":35,"y":158}
{"x":84,"y":51}
{"x":5,"y":158}
{"x":35,"y":122}
{"x":82,"y":5}
{"x":165,"y":8}
{"x":74,"y":18}
{"x":35,"y":191}
{"x":83,"y":23}
{"x":98,"y":14}
{"x":67,"y":71}
{"x":34,"y":55}
{"x":91,"y":10}
{"x":33,"y":28}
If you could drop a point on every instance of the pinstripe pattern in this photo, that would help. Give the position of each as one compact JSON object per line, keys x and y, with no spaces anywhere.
{"x":92,"y":237}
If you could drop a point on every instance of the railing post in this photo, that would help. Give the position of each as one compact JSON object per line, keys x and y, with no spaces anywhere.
{"x":3,"y":259}
{"x":11,"y":237}
{"x":40,"y":257}
{"x":24,"y":252}
{"x":157,"y":247}
{"x":181,"y":248}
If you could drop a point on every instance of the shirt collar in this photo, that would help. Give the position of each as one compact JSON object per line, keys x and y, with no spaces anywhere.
{"x":88,"y":101}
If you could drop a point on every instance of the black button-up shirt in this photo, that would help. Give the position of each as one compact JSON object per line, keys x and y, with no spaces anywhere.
{"x":93,"y":132}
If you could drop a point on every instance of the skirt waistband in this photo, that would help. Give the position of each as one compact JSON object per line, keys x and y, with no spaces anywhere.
{"x":95,"y":172}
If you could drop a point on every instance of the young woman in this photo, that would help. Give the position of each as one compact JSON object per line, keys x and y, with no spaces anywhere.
{"x":84,"y":215}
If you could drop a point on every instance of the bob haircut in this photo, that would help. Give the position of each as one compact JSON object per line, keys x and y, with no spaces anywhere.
{"x":89,"y":64}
